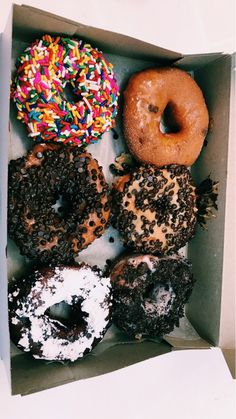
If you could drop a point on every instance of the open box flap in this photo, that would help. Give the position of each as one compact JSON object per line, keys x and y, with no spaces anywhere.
{"x":30,"y":375}
{"x":30,"y":18}
{"x":115,"y":351}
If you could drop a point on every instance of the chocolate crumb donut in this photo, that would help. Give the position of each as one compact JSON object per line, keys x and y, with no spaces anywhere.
{"x":150,"y":293}
{"x":155,"y":209}
{"x":58,"y":202}
{"x":35,"y":323}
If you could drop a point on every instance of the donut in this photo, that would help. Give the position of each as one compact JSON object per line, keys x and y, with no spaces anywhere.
{"x":154,"y":209}
{"x":44,"y":71}
{"x":58,"y":202}
{"x":149,"y":293}
{"x":164,"y":92}
{"x":86,"y":295}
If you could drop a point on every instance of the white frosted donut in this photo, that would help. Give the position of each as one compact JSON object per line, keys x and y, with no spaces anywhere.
{"x":33,"y":328}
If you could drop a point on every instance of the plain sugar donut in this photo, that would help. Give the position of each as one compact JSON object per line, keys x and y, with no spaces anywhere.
{"x":36,"y":330}
{"x":146,"y":97}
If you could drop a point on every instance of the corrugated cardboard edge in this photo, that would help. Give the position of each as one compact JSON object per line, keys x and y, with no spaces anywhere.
{"x":179,"y":343}
{"x":230,"y":358}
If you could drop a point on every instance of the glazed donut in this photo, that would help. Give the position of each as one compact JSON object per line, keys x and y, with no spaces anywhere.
{"x":149,"y":293}
{"x":149,"y":96}
{"x":44,"y":70}
{"x":35,"y":329}
{"x":155,"y":209}
{"x":49,"y":176}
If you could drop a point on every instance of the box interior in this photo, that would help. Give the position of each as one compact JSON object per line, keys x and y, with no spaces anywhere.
{"x":128,"y":55}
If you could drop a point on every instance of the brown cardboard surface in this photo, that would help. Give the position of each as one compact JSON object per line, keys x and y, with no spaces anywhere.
{"x":206,"y":250}
{"x":227,"y":337}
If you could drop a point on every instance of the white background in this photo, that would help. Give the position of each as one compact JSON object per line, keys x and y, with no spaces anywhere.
{"x":187,"y":26}
{"x":186,"y":384}
{"x":181,"y":385}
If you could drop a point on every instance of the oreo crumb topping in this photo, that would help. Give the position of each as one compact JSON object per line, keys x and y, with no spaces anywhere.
{"x":156,"y":210}
{"x":149,"y":300}
{"x":63,"y":174}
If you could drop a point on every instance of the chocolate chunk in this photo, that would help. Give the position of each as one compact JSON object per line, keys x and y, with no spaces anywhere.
{"x":153,"y":108}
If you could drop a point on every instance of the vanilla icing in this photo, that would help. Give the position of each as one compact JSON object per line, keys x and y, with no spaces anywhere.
{"x":64,"y":285}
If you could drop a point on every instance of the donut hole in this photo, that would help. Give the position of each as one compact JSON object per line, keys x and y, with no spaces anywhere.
{"x":69,"y":94}
{"x":69,"y":315}
{"x":169,"y":123}
{"x":62,"y":205}
{"x":149,"y":292}
{"x":160,"y":294}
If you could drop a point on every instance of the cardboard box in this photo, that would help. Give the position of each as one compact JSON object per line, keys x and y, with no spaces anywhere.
{"x":210,"y":310}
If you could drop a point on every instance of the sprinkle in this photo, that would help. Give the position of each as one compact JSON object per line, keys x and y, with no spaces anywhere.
{"x":34,"y":134}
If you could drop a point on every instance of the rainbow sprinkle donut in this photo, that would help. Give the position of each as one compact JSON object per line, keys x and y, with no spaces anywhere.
{"x":44,"y":70}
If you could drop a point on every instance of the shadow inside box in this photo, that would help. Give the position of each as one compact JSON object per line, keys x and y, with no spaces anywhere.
{"x":18,"y":129}
{"x":30,"y":375}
